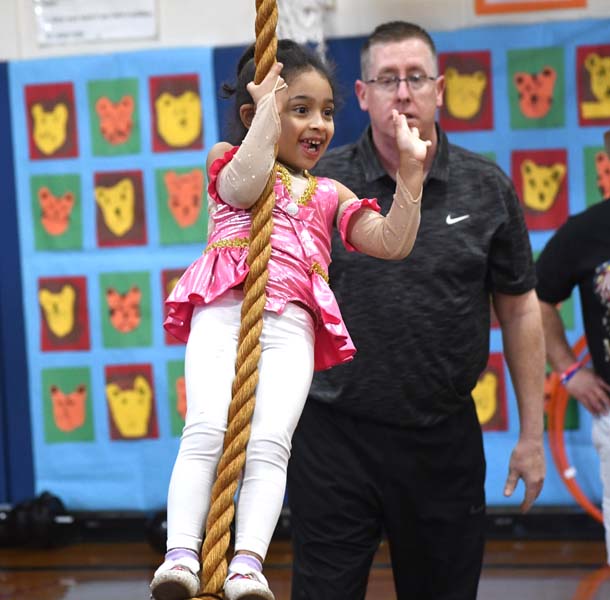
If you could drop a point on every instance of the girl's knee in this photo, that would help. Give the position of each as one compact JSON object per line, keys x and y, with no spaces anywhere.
{"x":202,"y":438}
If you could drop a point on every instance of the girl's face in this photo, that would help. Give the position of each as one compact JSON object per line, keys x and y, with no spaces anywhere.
{"x":307,"y":122}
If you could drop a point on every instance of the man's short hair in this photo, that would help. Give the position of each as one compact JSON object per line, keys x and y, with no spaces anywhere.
{"x":393,"y":31}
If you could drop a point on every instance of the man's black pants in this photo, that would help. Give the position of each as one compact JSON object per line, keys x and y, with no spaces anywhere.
{"x":351,"y":480}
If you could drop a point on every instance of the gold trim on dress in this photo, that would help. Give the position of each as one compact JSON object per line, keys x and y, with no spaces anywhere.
{"x":229,"y":243}
{"x":317,"y":268}
{"x":310,"y":189}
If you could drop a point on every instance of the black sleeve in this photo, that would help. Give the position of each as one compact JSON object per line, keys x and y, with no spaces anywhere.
{"x":511,"y":263}
{"x":556,"y":266}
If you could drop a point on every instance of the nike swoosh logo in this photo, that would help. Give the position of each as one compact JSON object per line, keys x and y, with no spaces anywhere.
{"x":451,"y":220}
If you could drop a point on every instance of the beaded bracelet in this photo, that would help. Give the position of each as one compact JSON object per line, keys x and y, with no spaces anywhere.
{"x":570,"y":372}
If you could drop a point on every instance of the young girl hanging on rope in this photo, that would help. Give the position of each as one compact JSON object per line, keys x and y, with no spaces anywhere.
{"x":302,"y":326}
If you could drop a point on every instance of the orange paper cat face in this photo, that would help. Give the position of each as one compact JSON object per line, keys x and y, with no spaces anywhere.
{"x":536,"y":92}
{"x":69,"y":409}
{"x":181,"y":396}
{"x":55,"y":210}
{"x":116,"y":119}
{"x":185,"y":196}
{"x":124,"y":309}
{"x":602,"y":166}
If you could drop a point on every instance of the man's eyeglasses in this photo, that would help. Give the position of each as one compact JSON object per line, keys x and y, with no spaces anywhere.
{"x":390,"y":83}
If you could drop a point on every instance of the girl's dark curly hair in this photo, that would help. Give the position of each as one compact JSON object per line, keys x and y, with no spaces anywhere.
{"x":295,"y":58}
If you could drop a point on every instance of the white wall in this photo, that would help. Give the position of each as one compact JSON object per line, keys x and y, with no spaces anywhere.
{"x":9,"y":42}
{"x":230,"y":22}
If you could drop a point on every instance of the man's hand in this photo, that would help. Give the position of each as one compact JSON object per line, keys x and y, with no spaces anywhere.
{"x":526,"y":463}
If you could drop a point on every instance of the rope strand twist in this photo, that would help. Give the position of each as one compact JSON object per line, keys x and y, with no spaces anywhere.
{"x":241,"y":409}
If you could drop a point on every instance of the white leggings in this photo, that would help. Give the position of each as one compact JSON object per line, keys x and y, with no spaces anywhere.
{"x":285,"y":372}
{"x":601,"y":441}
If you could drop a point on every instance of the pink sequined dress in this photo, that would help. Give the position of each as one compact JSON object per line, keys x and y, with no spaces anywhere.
{"x":298,"y":267}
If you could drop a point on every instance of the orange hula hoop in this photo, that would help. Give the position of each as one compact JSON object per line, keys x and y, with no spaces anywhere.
{"x":589,"y":586}
{"x":556,"y":412}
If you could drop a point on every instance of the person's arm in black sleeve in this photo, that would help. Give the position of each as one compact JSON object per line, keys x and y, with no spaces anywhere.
{"x":557,"y":274}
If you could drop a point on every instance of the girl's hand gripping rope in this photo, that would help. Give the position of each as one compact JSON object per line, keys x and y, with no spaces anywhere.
{"x":242,"y":180}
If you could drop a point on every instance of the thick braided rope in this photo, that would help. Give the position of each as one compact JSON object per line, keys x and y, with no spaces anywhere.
{"x":231,"y":463}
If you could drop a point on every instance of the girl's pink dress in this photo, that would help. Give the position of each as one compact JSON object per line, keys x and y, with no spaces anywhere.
{"x":298,"y":267}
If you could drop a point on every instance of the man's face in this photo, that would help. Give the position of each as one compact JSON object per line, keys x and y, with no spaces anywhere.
{"x":401,"y":59}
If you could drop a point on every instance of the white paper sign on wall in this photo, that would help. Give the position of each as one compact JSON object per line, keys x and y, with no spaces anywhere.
{"x":64,"y":22}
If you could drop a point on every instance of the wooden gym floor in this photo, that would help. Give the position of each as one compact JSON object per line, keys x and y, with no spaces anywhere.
{"x":513,"y":570}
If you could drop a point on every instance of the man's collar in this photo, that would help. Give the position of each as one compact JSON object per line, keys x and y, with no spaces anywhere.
{"x":371,"y":166}
{"x":440,"y":164}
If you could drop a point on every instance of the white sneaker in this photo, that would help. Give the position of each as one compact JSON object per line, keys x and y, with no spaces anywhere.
{"x":245,"y":584}
{"x":176,"y":580}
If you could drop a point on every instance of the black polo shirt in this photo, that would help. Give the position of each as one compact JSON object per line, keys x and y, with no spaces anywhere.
{"x":578,"y":254}
{"x":421,"y":324}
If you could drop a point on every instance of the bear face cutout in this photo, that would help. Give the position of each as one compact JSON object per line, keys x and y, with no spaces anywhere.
{"x":185,"y":196}
{"x":181,"y":397}
{"x":69,"y":408}
{"x":115,"y":119}
{"x":59,"y":309}
{"x":599,"y":73}
{"x":117,"y":204}
{"x":55,"y":211}
{"x":178,"y":118}
{"x":536,"y":92}
{"x":464,"y":92}
{"x":599,"y":82}
{"x":50,"y":129}
{"x":541,"y":184}
{"x":602,"y":166}
{"x":124,"y":309}
{"x":131,"y":408}
{"x":485,"y":396}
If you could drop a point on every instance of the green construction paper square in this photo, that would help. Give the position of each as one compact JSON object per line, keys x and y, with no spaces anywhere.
{"x":533,"y":60}
{"x":48,"y":237}
{"x":70,"y":429}
{"x":566,"y":311}
{"x":593,"y":194}
{"x":141,"y":334}
{"x":571,"y":421}
{"x":175,"y":370}
{"x":170,"y":230}
{"x":572,"y":418}
{"x":114,"y":90}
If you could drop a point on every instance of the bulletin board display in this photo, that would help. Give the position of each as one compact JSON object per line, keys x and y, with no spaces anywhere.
{"x":111,"y":191}
{"x":109,"y":156}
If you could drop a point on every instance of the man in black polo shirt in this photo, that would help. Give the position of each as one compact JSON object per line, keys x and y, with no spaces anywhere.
{"x":578,"y":255}
{"x":391,"y":441}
